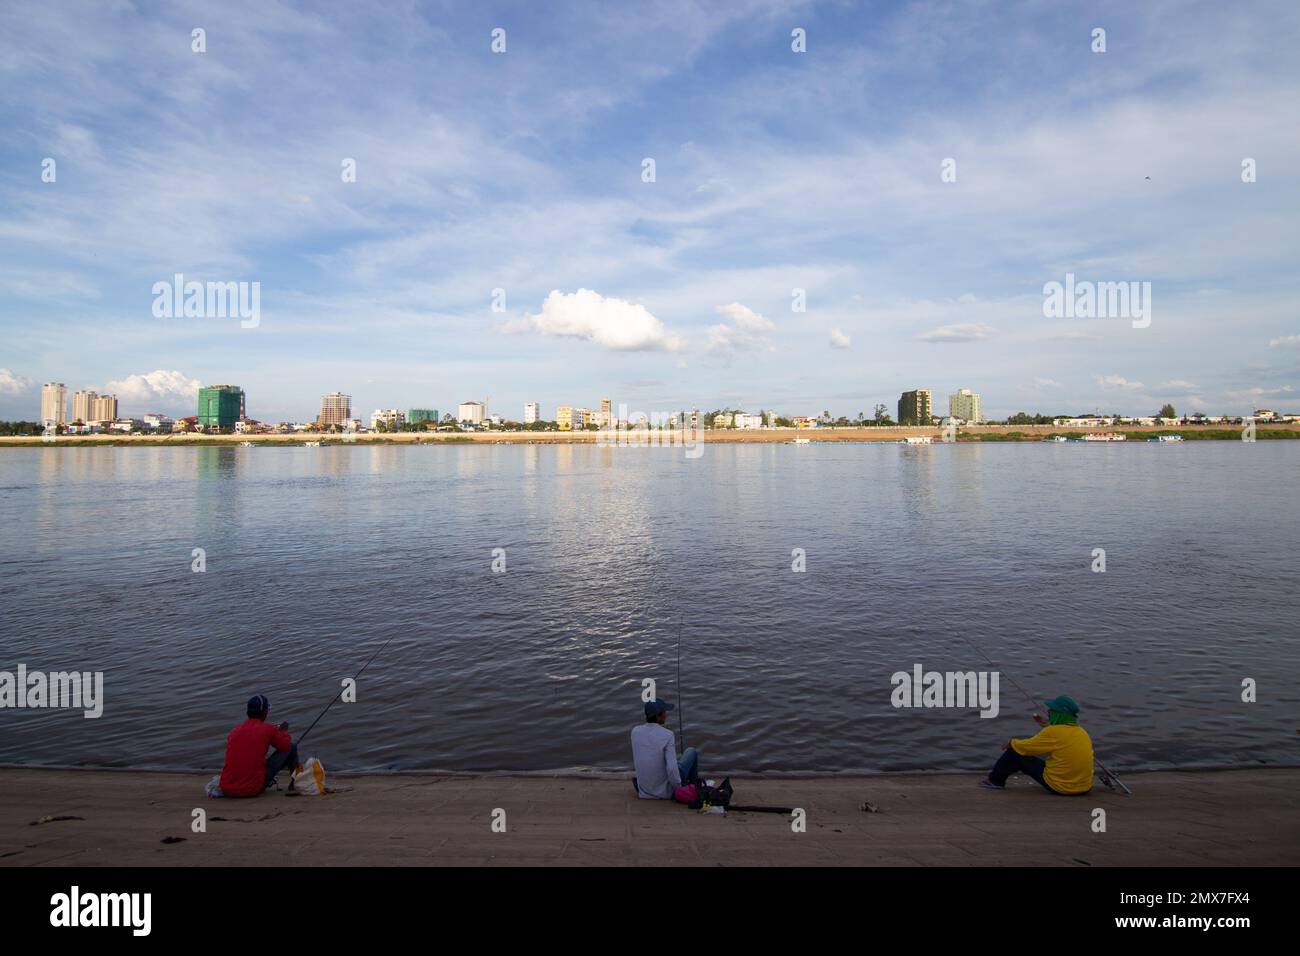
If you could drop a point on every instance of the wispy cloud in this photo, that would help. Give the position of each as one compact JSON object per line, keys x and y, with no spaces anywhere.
{"x":961,"y":332}
{"x":13,"y":384}
{"x":748,"y":331}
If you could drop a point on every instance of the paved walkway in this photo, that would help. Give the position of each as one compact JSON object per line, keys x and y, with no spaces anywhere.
{"x":1247,"y":817}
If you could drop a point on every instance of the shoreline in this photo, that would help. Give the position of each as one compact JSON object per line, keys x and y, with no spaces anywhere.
{"x":974,"y":433}
{"x":605,"y":773}
{"x":1244,"y":817}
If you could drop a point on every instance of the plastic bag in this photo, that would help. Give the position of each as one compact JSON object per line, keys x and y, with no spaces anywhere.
{"x":309,"y":779}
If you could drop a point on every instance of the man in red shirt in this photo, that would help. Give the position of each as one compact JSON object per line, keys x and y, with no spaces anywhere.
{"x":248,"y":770}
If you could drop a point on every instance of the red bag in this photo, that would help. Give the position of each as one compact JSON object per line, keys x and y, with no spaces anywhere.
{"x":686,"y":794}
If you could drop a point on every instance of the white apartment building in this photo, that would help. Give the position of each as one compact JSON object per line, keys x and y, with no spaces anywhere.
{"x":743,"y":420}
{"x":388,"y":417}
{"x":83,"y":405}
{"x":471,"y":412}
{"x":54,"y":403}
{"x":532,"y":413}
{"x":103,"y":409}
{"x":965,"y":405}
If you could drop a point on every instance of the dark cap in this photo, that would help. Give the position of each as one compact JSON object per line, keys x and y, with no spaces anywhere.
{"x":654,"y":708}
{"x":258,"y":704}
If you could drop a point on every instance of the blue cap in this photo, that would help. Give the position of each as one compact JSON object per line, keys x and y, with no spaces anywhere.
{"x":258,"y":704}
{"x":654,"y":708}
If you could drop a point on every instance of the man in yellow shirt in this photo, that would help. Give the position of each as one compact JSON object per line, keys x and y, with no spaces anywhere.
{"x":1066,"y":745}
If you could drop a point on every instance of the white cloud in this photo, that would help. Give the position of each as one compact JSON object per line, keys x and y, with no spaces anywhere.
{"x":1176,"y":386}
{"x":610,"y":323}
{"x":1119,"y":382}
{"x":12,"y":384}
{"x":1286,"y":342}
{"x":961,"y":332}
{"x":159,"y":387}
{"x":839,"y":340}
{"x":748,"y":331}
{"x":1048,"y":383}
{"x":1259,"y":394}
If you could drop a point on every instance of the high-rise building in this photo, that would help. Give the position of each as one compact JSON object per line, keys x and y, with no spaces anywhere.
{"x":470,"y":412}
{"x":914,"y":407}
{"x":532,"y":413}
{"x":965,"y":405}
{"x":391,"y":419}
{"x":606,"y":413}
{"x":418,"y":416}
{"x":103,"y":409}
{"x":220,"y":406}
{"x":564,"y":418}
{"x":83,"y":406}
{"x":54,"y":403}
{"x":335,"y":409}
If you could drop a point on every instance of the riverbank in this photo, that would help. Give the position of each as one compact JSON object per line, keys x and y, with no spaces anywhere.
{"x":1174,"y":818}
{"x":973,"y":433}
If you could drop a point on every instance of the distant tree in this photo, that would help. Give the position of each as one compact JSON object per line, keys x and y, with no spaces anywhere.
{"x":1167,"y":411}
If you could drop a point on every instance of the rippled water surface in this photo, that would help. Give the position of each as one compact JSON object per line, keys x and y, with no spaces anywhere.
{"x":317,"y":556}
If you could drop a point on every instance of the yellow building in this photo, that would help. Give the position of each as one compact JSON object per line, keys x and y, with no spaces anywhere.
{"x":564,"y":418}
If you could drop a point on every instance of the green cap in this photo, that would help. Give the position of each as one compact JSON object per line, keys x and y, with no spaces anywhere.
{"x":1062,"y":705}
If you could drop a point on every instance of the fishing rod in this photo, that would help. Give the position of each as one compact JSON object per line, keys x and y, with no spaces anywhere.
{"x":340,"y":690}
{"x":1108,"y":777}
{"x":681,"y":729}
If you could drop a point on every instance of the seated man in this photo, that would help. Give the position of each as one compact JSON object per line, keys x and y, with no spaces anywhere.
{"x":654,"y":754}
{"x":1067,"y":746}
{"x":248,"y":771}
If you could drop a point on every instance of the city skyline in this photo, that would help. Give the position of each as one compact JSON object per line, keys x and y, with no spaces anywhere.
{"x":798,"y":247}
{"x":336,"y":408}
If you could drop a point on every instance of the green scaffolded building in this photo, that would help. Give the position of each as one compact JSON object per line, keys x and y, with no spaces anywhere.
{"x":220,"y":406}
{"x":418,"y":416}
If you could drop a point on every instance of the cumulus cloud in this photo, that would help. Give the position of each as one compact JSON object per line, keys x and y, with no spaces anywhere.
{"x":614,"y":324}
{"x":1286,"y":342}
{"x":1119,"y":382}
{"x":12,"y":383}
{"x":159,"y":387}
{"x":961,"y":332}
{"x":747,"y":332}
{"x":839,"y":340}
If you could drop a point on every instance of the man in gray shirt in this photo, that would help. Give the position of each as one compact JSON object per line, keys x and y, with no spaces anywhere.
{"x":654,"y":754}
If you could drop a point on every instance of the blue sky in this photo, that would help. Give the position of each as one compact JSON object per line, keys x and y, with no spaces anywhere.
{"x":775,"y":171}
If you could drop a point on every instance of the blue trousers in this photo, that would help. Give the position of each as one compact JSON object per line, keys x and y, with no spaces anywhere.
{"x":1011,"y":762}
{"x":689,"y":766}
{"x":278,"y":761}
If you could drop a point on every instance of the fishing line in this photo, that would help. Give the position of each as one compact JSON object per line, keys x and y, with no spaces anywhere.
{"x":339,"y":692}
{"x":681,"y":729}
